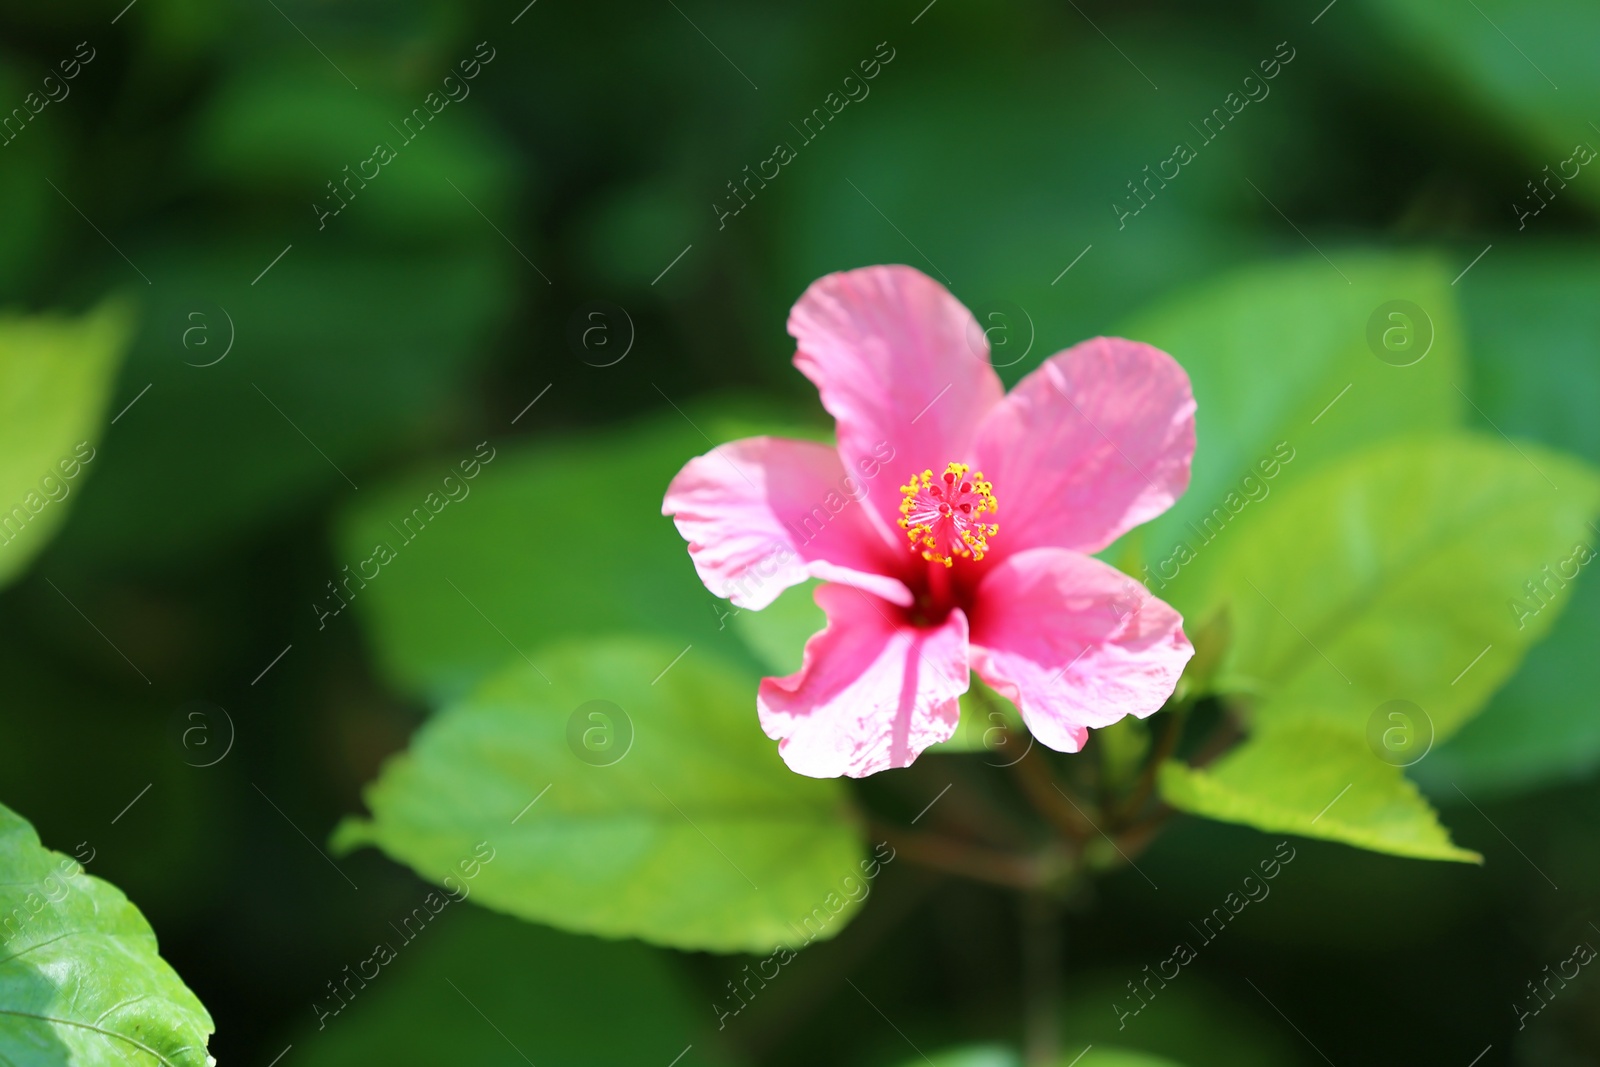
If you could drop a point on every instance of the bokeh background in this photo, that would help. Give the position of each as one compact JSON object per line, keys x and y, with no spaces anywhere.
{"x":583,"y":175}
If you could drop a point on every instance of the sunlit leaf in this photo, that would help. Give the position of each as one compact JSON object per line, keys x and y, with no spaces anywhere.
{"x":1536,"y":329}
{"x":81,"y":980}
{"x":1386,"y":577}
{"x":1419,"y":572}
{"x":661,"y":813}
{"x":1315,"y":781}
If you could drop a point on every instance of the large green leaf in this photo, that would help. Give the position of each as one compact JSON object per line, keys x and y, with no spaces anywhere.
{"x":1528,"y":63}
{"x":1544,"y":726}
{"x":81,"y":980}
{"x":695,"y":836}
{"x":1285,"y":380}
{"x":1398,"y":574}
{"x":1535,"y":329}
{"x":551,"y":541}
{"x":551,"y":997}
{"x":1314,"y":780}
{"x":1385,"y":576}
{"x":56,"y":375}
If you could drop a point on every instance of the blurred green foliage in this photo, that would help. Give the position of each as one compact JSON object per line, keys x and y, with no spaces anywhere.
{"x":55,"y":377}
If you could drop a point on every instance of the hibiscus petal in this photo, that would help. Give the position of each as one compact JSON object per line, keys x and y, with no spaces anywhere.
{"x":1074,"y":643}
{"x":873,"y":691}
{"x":766,"y":513}
{"x":1094,"y":442}
{"x":902,"y":366}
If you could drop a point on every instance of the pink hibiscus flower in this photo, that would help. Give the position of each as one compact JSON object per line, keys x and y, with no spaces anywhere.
{"x":952,"y":526}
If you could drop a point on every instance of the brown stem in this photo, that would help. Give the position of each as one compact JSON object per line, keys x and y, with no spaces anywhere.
{"x":1225,"y":736}
{"x":971,"y":811}
{"x":977,"y":862}
{"x":1055,"y":803}
{"x":1041,"y":973}
{"x":1137,"y":838}
{"x":1165,"y":746}
{"x":1052,"y":800}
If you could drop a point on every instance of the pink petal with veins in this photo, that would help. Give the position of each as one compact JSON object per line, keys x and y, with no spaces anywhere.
{"x":1074,"y":643}
{"x":873,"y":692}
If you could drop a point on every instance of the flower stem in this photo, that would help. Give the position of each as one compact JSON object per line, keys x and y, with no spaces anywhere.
{"x":1165,"y":746}
{"x":1048,"y":797}
{"x":978,"y":862}
{"x":1041,"y":972}
{"x":1051,"y":799}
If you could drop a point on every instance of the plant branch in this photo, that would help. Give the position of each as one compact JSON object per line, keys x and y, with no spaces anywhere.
{"x":1227,"y":734}
{"x":1052,"y":800}
{"x":978,"y":862}
{"x":1041,"y":979}
{"x":1165,"y":746}
{"x":1136,"y":838}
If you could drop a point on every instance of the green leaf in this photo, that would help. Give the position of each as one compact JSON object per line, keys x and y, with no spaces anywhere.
{"x":553,"y":997}
{"x":81,"y":981}
{"x":551,"y":542}
{"x":1536,"y":327}
{"x":56,"y":375}
{"x":1542,"y":727}
{"x":1387,"y":575}
{"x":1285,"y":381}
{"x":1528,"y":63}
{"x":694,"y":836}
{"x":1319,"y":781}
{"x":1398,"y":574}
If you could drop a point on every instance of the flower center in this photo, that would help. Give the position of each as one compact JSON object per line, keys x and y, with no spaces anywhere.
{"x":944,"y":516}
